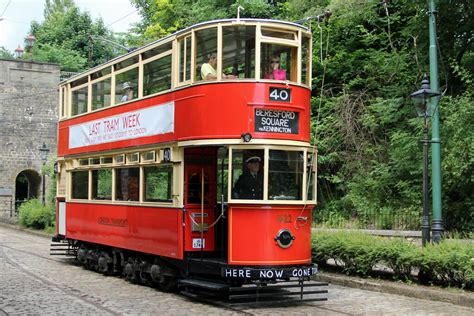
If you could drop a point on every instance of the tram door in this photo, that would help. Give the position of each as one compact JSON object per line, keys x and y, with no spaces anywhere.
{"x":200,"y":199}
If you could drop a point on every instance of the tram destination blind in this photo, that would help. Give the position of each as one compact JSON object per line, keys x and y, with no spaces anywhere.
{"x":276,"y":121}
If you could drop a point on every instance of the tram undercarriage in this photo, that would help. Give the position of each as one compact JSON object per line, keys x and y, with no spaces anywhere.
{"x":198,"y":278}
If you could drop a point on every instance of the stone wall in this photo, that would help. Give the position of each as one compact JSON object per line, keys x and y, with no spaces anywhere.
{"x":28,"y":111}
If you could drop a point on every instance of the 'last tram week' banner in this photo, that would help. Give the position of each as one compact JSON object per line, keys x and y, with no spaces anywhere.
{"x":276,"y":121}
{"x":155,"y":120}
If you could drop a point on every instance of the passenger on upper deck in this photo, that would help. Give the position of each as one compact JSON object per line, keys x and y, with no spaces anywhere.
{"x":208,"y":70}
{"x":274,"y":71}
{"x":127,"y":92}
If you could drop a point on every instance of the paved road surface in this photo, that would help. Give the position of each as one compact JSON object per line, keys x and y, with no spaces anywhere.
{"x":32,"y":282}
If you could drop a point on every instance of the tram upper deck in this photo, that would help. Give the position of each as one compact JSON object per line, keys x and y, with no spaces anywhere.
{"x":159,"y":92}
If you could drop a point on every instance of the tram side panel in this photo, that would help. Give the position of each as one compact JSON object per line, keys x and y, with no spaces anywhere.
{"x":145,"y":229}
{"x":208,"y":111}
{"x":253,"y":233}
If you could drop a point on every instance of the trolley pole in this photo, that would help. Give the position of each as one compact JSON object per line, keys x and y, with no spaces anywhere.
{"x":437,"y":222}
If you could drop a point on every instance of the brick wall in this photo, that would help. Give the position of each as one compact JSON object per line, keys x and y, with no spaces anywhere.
{"x":28,"y":113}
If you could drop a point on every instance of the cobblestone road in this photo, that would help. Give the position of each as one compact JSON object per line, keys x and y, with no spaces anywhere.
{"x":32,"y":282}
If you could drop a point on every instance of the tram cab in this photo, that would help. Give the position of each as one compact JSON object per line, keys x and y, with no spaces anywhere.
{"x":208,"y":176}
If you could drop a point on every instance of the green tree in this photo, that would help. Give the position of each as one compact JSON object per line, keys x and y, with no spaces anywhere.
{"x":65,"y":37}
{"x":5,"y":54}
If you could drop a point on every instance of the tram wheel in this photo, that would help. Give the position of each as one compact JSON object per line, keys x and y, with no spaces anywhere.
{"x":167,"y":283}
{"x":104,"y":263}
{"x":129,"y":271}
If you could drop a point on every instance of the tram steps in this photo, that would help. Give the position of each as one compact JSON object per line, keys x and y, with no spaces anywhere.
{"x":62,"y":249}
{"x":259,"y":293}
{"x":206,"y":285}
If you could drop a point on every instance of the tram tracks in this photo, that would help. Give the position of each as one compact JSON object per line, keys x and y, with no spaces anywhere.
{"x":75,"y":293}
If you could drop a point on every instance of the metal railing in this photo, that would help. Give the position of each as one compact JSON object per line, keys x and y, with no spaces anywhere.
{"x":369,"y":220}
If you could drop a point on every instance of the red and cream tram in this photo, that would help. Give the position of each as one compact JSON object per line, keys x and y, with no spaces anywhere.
{"x":169,"y":176}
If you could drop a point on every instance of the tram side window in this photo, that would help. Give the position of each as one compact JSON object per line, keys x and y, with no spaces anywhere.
{"x":278,"y":62}
{"x":206,"y":54}
{"x":159,"y":183}
{"x":127,"y":184}
{"x":305,"y":60}
{"x":80,"y":184}
{"x":285,"y":176}
{"x":185,"y":59}
{"x":79,"y":101}
{"x":157,"y":76}
{"x":101,"y":94}
{"x":102,"y":184}
{"x":126,"y":83}
{"x":238,"y":57}
{"x":222,"y":173}
{"x":311,"y":177}
{"x":247,"y":174}
{"x":194,"y":187}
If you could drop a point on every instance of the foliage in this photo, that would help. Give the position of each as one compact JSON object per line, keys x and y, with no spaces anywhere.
{"x":5,"y":54}
{"x":163,"y":17}
{"x":65,"y":37}
{"x":448,"y":263}
{"x":35,"y":215}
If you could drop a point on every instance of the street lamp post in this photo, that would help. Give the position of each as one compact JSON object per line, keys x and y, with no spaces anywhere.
{"x":29,"y":42}
{"x":18,"y":52}
{"x":44,"y":157}
{"x":420,"y":100}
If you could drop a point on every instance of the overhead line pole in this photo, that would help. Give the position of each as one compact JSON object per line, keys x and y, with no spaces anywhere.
{"x":437,"y":222}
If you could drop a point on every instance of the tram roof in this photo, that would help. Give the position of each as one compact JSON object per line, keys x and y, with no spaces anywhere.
{"x":177,"y":33}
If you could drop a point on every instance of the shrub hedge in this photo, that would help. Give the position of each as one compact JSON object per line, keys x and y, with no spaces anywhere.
{"x":36,"y":215}
{"x":449,"y":263}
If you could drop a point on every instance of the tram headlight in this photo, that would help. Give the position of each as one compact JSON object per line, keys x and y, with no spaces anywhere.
{"x":246,"y":137}
{"x":284,"y":238}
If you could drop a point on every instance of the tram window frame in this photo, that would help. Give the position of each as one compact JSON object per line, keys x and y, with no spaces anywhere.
{"x":169,"y":73}
{"x":261,"y":152}
{"x":184,"y":58}
{"x":73,"y":105}
{"x":81,"y":186}
{"x":306,"y":62}
{"x":121,"y":187}
{"x":311,"y":175}
{"x":95,"y":178}
{"x":106,"y":102}
{"x":118,"y":84}
{"x":202,"y":55}
{"x":280,"y":179}
{"x":168,"y":170}
{"x":249,"y":55}
{"x":266,"y":176}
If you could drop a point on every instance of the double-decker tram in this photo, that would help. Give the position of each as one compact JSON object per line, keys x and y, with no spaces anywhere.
{"x":187,"y":162}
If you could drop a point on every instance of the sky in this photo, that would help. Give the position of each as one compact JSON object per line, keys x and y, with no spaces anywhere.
{"x":18,"y":14}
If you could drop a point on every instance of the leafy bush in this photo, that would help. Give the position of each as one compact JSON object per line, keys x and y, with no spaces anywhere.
{"x":449,"y":263}
{"x":35,"y":215}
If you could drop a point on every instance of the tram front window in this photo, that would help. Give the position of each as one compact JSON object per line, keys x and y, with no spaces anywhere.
{"x":247,"y":174}
{"x":238,"y":51}
{"x":285,"y":175}
{"x":278,"y":62}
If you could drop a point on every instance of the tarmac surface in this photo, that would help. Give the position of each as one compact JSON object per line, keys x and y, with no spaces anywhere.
{"x":32,"y":282}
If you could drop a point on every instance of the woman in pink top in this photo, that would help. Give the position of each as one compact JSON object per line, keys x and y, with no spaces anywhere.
{"x":275,"y":71}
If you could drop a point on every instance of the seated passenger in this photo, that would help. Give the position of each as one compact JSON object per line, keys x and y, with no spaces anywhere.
{"x":208,"y":70}
{"x":274,"y":70}
{"x":127,"y":94}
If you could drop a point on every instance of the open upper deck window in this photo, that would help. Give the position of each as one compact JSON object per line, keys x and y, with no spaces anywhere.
{"x":206,"y":54}
{"x":79,"y":101}
{"x":305,"y":60}
{"x":184,"y":45}
{"x":238,"y":51}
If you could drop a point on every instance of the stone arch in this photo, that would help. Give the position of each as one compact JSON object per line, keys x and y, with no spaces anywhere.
{"x":27,"y":185}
